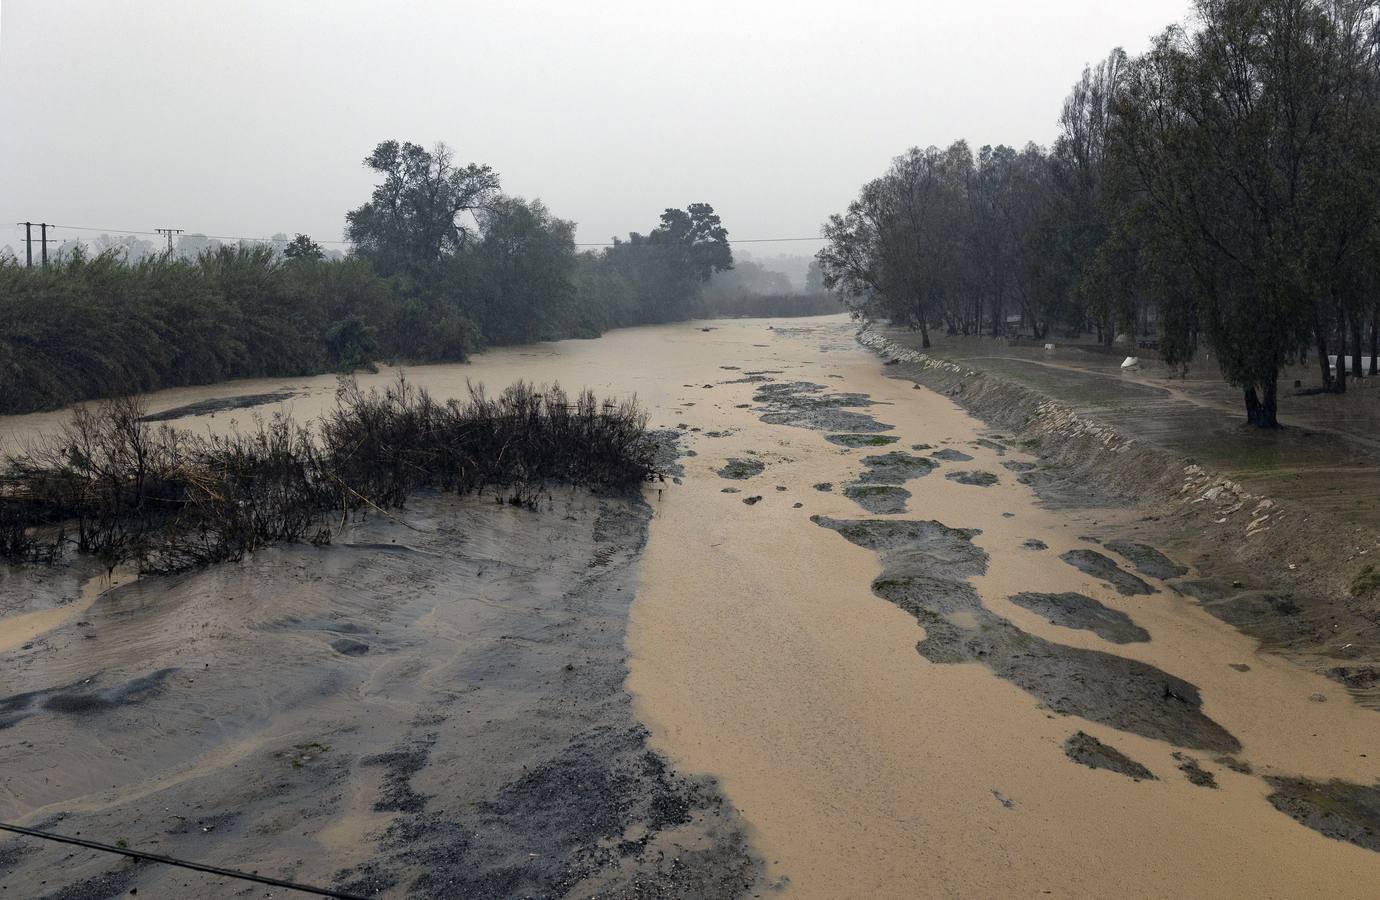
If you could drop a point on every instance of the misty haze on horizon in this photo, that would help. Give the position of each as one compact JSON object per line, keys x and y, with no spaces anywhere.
{"x":253,"y":119}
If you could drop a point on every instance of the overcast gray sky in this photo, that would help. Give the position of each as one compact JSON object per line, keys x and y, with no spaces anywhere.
{"x":251,"y":117}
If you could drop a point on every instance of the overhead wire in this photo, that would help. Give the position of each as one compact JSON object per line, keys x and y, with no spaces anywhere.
{"x":269,"y":240}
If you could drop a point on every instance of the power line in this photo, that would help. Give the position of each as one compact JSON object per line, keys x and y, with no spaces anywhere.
{"x":181,"y":863}
{"x":731,"y":240}
{"x":161,"y":231}
{"x":230,"y":237}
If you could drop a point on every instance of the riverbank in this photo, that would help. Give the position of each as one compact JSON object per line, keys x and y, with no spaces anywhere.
{"x":1279,"y":568}
{"x":432,"y":706}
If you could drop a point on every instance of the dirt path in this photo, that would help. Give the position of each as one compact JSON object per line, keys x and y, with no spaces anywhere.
{"x":867,"y":630}
{"x":1172,"y":392}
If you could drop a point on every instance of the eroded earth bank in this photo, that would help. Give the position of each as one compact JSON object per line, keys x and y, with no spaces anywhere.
{"x":860,"y":646}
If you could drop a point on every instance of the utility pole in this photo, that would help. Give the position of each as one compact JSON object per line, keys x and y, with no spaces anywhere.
{"x":169,"y":232}
{"x":29,"y":242}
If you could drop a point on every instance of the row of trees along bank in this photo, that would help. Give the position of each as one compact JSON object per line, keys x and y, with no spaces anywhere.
{"x":1228,"y":179}
{"x":443,"y":264}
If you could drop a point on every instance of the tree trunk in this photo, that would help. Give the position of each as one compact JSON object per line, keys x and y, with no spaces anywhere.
{"x":1375,"y":343}
{"x":924,"y":335}
{"x":1322,"y":353}
{"x":1252,"y":406}
{"x":1269,"y":404}
{"x":1339,"y":386}
{"x":1356,"y":344}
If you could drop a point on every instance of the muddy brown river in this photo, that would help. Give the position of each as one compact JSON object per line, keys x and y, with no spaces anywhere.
{"x":849,"y":648}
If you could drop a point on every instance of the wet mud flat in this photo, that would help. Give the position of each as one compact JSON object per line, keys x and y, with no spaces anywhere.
{"x":926,"y":567}
{"x":220,"y":404}
{"x":432,"y":707}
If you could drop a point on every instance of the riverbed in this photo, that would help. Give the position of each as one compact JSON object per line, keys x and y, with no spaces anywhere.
{"x":856,"y":641}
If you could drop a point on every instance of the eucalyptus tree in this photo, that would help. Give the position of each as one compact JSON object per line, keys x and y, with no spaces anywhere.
{"x":669,"y":265}
{"x":302,"y":247}
{"x":1078,"y":216}
{"x":521,"y":272}
{"x":1345,"y":217}
{"x":899,"y":244}
{"x":420,"y":212}
{"x":1229,"y":134}
{"x":992,"y":235}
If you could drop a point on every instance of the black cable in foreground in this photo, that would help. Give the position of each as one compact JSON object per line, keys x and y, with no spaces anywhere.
{"x":182,"y":863}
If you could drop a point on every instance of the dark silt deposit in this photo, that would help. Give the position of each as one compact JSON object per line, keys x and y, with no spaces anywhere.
{"x":219,"y":404}
{"x":1239,"y":766}
{"x":666,"y":451}
{"x":861,"y":440}
{"x":1194,"y":772}
{"x":1082,"y":612}
{"x":1061,"y":490}
{"x":896,"y":467}
{"x":948,"y":454}
{"x":1358,"y":678}
{"x":1104,"y":569}
{"x":1102,"y":687}
{"x":448,"y":718}
{"x":739,"y":469}
{"x":934,"y":542}
{"x":1297,"y":626}
{"x":82,"y":698}
{"x":975,"y":478}
{"x":1087,"y":750}
{"x":1034,"y":544}
{"x":878,"y":488}
{"x":806,"y":405}
{"x":926,"y":567}
{"x":1245,"y":608}
{"x":1337,"y":809}
{"x":879,"y":499}
{"x":1147,"y":560}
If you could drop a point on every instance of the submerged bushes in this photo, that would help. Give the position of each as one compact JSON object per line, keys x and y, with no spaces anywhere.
{"x":122,"y":489}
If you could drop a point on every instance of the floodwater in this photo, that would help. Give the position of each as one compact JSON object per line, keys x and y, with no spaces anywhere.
{"x":760,"y":655}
